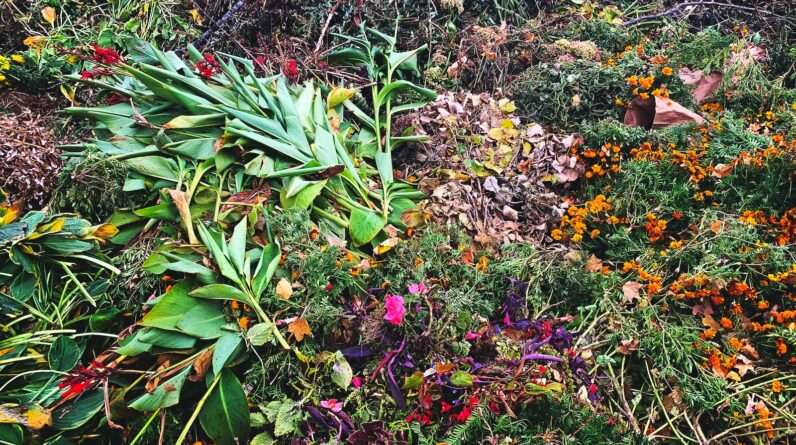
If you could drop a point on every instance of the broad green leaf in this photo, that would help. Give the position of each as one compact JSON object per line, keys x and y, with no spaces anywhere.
{"x":200,"y":148}
{"x":164,"y":210}
{"x":342,"y":374}
{"x":303,"y":193}
{"x":224,"y":349}
{"x":324,"y":147}
{"x":225,"y":415}
{"x":217,"y":251}
{"x":260,"y":334}
{"x":13,"y":435}
{"x":384,"y":166}
{"x":196,"y":121}
{"x":76,"y":414}
{"x":165,"y":395}
{"x":64,"y":354}
{"x":237,"y":245}
{"x":155,"y":166}
{"x":132,"y":346}
{"x":462,"y":379}
{"x":170,"y":309}
{"x":403,"y":85}
{"x":219,"y":291}
{"x":269,"y":261}
{"x":65,"y":246}
{"x":166,"y":339}
{"x":364,"y":225}
{"x":205,"y":321}
{"x":289,"y":113}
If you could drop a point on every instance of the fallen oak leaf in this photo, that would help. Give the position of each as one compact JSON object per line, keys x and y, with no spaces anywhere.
{"x":631,"y":291}
{"x":593,"y":264}
{"x":299,"y":328}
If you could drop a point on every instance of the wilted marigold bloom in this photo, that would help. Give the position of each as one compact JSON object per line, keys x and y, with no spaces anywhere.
{"x":734,"y":343}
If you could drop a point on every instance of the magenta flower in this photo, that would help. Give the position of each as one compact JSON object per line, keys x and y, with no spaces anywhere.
{"x":357,"y":382}
{"x":395,"y":309}
{"x":418,"y":288}
{"x":332,"y":404}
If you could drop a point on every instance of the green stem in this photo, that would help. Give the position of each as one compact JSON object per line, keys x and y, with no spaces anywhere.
{"x":197,"y":410}
{"x":144,"y":428}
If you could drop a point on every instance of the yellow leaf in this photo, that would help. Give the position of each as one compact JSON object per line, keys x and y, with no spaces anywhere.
{"x":507,"y":106}
{"x":53,"y":226}
{"x":49,"y":15}
{"x":34,"y":418}
{"x":34,"y":41}
{"x":496,"y":134}
{"x":37,"y":418}
{"x":283,"y":289}
{"x":386,"y":246}
{"x":299,"y":328}
{"x":105,"y":231}
{"x":196,"y":16}
{"x":508,"y":124}
{"x":11,"y":213}
{"x":69,"y":92}
{"x":413,"y":217}
{"x":483,"y":263}
{"x":339,"y":95}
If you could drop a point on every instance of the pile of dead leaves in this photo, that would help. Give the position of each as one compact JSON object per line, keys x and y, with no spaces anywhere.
{"x":30,"y":159}
{"x":501,"y":179}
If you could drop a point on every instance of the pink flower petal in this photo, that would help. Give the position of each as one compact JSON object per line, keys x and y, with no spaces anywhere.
{"x":394,"y":304}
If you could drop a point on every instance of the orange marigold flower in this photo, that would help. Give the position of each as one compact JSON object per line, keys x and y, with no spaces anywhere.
{"x":244,"y":323}
{"x":776,"y":387}
{"x":726,"y":323}
{"x":782,"y":347}
{"x":709,"y":333}
{"x":667,"y":71}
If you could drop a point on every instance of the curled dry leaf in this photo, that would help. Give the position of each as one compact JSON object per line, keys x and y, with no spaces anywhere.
{"x":284,"y":289}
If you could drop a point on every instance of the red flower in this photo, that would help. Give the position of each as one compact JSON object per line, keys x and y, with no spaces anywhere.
{"x":95,"y":73}
{"x":85,"y":378}
{"x":107,"y":56}
{"x":208,"y":66}
{"x":463,"y":415}
{"x":445,"y":407}
{"x":290,"y":69}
